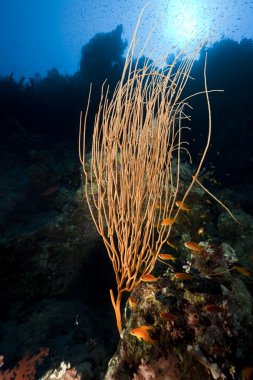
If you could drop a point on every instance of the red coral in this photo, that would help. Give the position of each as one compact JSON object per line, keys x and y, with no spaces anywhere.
{"x":26,"y":367}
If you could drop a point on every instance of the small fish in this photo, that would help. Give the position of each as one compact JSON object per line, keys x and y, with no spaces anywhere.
{"x":167,"y":316}
{"x":183,"y":206}
{"x":142,"y":333}
{"x":50,"y":190}
{"x":168,"y":222}
{"x":159,"y":206}
{"x":149,"y":278}
{"x":247,"y":373}
{"x":242,"y":270}
{"x":166,"y":256}
{"x":1,"y":360}
{"x":216,"y":350}
{"x":208,"y":201}
{"x":132,"y":302}
{"x":212,"y":180}
{"x":193,"y":246}
{"x":183,"y":276}
{"x":201,"y":231}
{"x":212,"y":308}
{"x":171,"y":245}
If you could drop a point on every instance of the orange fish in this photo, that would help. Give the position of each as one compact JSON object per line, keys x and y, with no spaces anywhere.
{"x":142,"y":333}
{"x":166,"y":256}
{"x":183,"y":206}
{"x":183,"y":276}
{"x":168,"y":222}
{"x":247,"y":373}
{"x":216,"y":350}
{"x":1,"y":360}
{"x":132,"y":302}
{"x":201,"y":231}
{"x":167,"y":316}
{"x":149,"y":278}
{"x":242,"y":270}
{"x":212,"y":308}
{"x":193,"y":246}
{"x":171,"y":245}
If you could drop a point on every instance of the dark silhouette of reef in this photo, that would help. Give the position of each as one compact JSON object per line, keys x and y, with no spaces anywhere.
{"x":229,"y":67}
{"x":51,"y":105}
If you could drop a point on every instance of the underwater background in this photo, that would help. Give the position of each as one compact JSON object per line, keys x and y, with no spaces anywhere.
{"x":55,"y":274}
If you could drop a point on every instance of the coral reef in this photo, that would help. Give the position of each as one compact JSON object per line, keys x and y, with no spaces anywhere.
{"x":202,"y":326}
{"x":53,"y":270}
{"x":26,"y":367}
{"x":50,"y":264}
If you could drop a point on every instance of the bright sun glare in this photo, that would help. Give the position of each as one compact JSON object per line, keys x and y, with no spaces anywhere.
{"x":185,"y":21}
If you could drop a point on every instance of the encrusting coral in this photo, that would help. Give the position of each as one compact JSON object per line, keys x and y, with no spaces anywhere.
{"x":202,"y":326}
